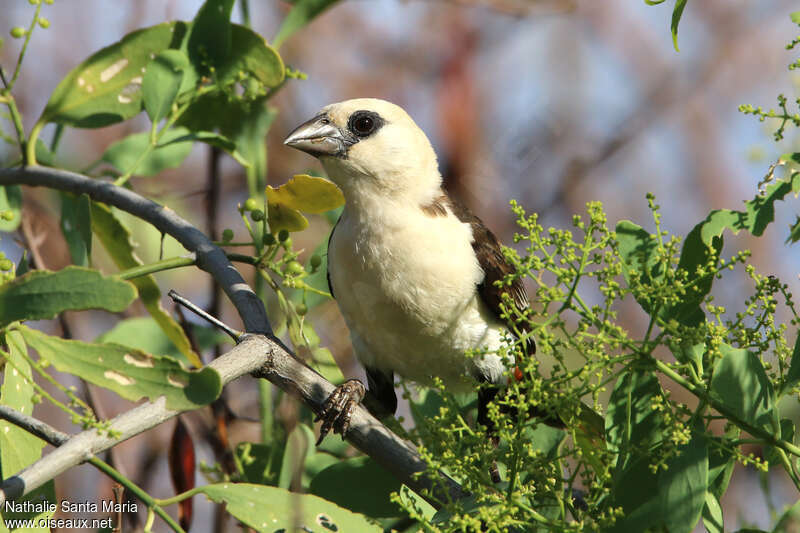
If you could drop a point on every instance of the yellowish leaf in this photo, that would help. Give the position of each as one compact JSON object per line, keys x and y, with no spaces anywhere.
{"x":307,"y":193}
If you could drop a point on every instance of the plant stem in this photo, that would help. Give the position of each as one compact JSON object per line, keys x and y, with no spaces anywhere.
{"x":152,"y":503}
{"x":158,"y":266}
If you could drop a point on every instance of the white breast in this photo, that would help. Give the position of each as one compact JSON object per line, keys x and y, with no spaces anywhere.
{"x":406,"y":285}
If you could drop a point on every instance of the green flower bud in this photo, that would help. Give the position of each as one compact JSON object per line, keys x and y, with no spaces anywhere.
{"x":227,"y":235}
{"x":287,"y":244}
{"x":7,"y":215}
{"x":283,"y":235}
{"x":294,"y":268}
{"x":251,"y":204}
{"x":44,"y":23}
{"x":6,"y":264}
{"x":316,"y":261}
{"x":17,"y":32}
{"x":301,"y":309}
{"x":268,"y":239}
{"x":257,"y":215}
{"x":34,"y":2}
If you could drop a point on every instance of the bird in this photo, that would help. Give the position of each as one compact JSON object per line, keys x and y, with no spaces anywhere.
{"x":414,"y":272}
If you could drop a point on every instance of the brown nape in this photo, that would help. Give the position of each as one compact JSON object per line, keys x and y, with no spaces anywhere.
{"x":437,"y":207}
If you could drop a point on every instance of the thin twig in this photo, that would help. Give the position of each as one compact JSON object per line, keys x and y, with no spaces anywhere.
{"x":177,"y":298}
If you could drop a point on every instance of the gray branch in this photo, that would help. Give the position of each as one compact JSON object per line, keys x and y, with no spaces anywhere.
{"x":260,"y":354}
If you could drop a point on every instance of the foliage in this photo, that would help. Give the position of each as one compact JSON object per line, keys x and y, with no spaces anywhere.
{"x":631,"y":458}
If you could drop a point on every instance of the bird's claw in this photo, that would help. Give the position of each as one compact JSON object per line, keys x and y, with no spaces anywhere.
{"x":338,"y":408}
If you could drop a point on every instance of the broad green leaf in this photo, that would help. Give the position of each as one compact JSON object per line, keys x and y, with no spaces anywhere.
{"x":677,"y":12}
{"x":212,"y":139}
{"x":251,"y":58}
{"x":712,"y":515}
{"x":672,"y":499}
{"x":370,"y":496}
{"x":145,"y":334}
{"x":260,"y":463}
{"x":106,"y":87}
{"x":771,"y":454}
{"x":210,"y":35}
{"x":245,"y":122}
{"x":307,"y":193}
{"x":126,"y":154}
{"x":299,"y":449}
{"x":741,"y":385}
{"x":11,"y":200}
{"x":116,"y":239}
{"x":265,"y":509}
{"x":630,"y":419}
{"x":793,"y":374}
{"x":76,"y":225}
{"x":303,"y":11}
{"x":18,"y":448}
{"x":161,"y":82}
{"x":317,"y":280}
{"x":131,"y":373}
{"x":42,"y":294}
{"x":638,"y":249}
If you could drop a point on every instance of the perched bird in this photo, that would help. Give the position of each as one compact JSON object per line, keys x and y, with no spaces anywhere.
{"x":413,"y":271}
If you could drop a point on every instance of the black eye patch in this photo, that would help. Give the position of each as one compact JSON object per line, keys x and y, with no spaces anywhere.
{"x":364,"y":123}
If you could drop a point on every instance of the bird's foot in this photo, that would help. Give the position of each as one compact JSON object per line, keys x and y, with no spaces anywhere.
{"x":338,"y":408}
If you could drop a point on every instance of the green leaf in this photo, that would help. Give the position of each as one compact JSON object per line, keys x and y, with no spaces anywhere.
{"x":132,"y":374}
{"x":162,"y":81}
{"x":370,"y":496}
{"x":76,"y":225}
{"x":212,"y":139}
{"x":259,"y":462}
{"x":42,"y":294}
{"x":106,"y":87}
{"x":125,"y":154}
{"x":721,"y":463}
{"x":303,"y":11}
{"x":771,"y":454}
{"x":307,"y":193}
{"x":18,"y":448}
{"x":672,"y":499}
{"x":793,"y":374}
{"x":795,"y":16}
{"x":145,"y":334}
{"x":116,"y":239}
{"x":11,"y":200}
{"x":251,"y":58}
{"x":265,"y":509}
{"x":245,"y":122}
{"x":677,"y":12}
{"x":299,"y":449}
{"x":630,"y":419}
{"x":638,"y":249}
{"x":794,"y":231}
{"x":741,"y":384}
{"x":712,"y":515}
{"x":210,"y":35}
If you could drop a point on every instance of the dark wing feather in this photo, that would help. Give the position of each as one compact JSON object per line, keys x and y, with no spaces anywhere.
{"x":328,"y":263}
{"x":495,"y":268}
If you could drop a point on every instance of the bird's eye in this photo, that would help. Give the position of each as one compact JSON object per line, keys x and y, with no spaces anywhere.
{"x":364,"y":123}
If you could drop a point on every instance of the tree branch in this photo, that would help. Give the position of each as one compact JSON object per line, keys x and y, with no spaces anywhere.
{"x":262,"y":355}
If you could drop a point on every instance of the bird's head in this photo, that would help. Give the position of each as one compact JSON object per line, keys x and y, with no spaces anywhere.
{"x":370,"y":146}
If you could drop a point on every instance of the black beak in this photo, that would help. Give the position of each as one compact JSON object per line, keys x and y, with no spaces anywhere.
{"x":319,"y":136}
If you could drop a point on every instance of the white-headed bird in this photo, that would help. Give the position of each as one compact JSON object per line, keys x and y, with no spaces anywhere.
{"x":412,"y":270}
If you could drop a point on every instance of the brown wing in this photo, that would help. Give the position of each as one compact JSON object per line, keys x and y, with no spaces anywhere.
{"x":495,"y":267}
